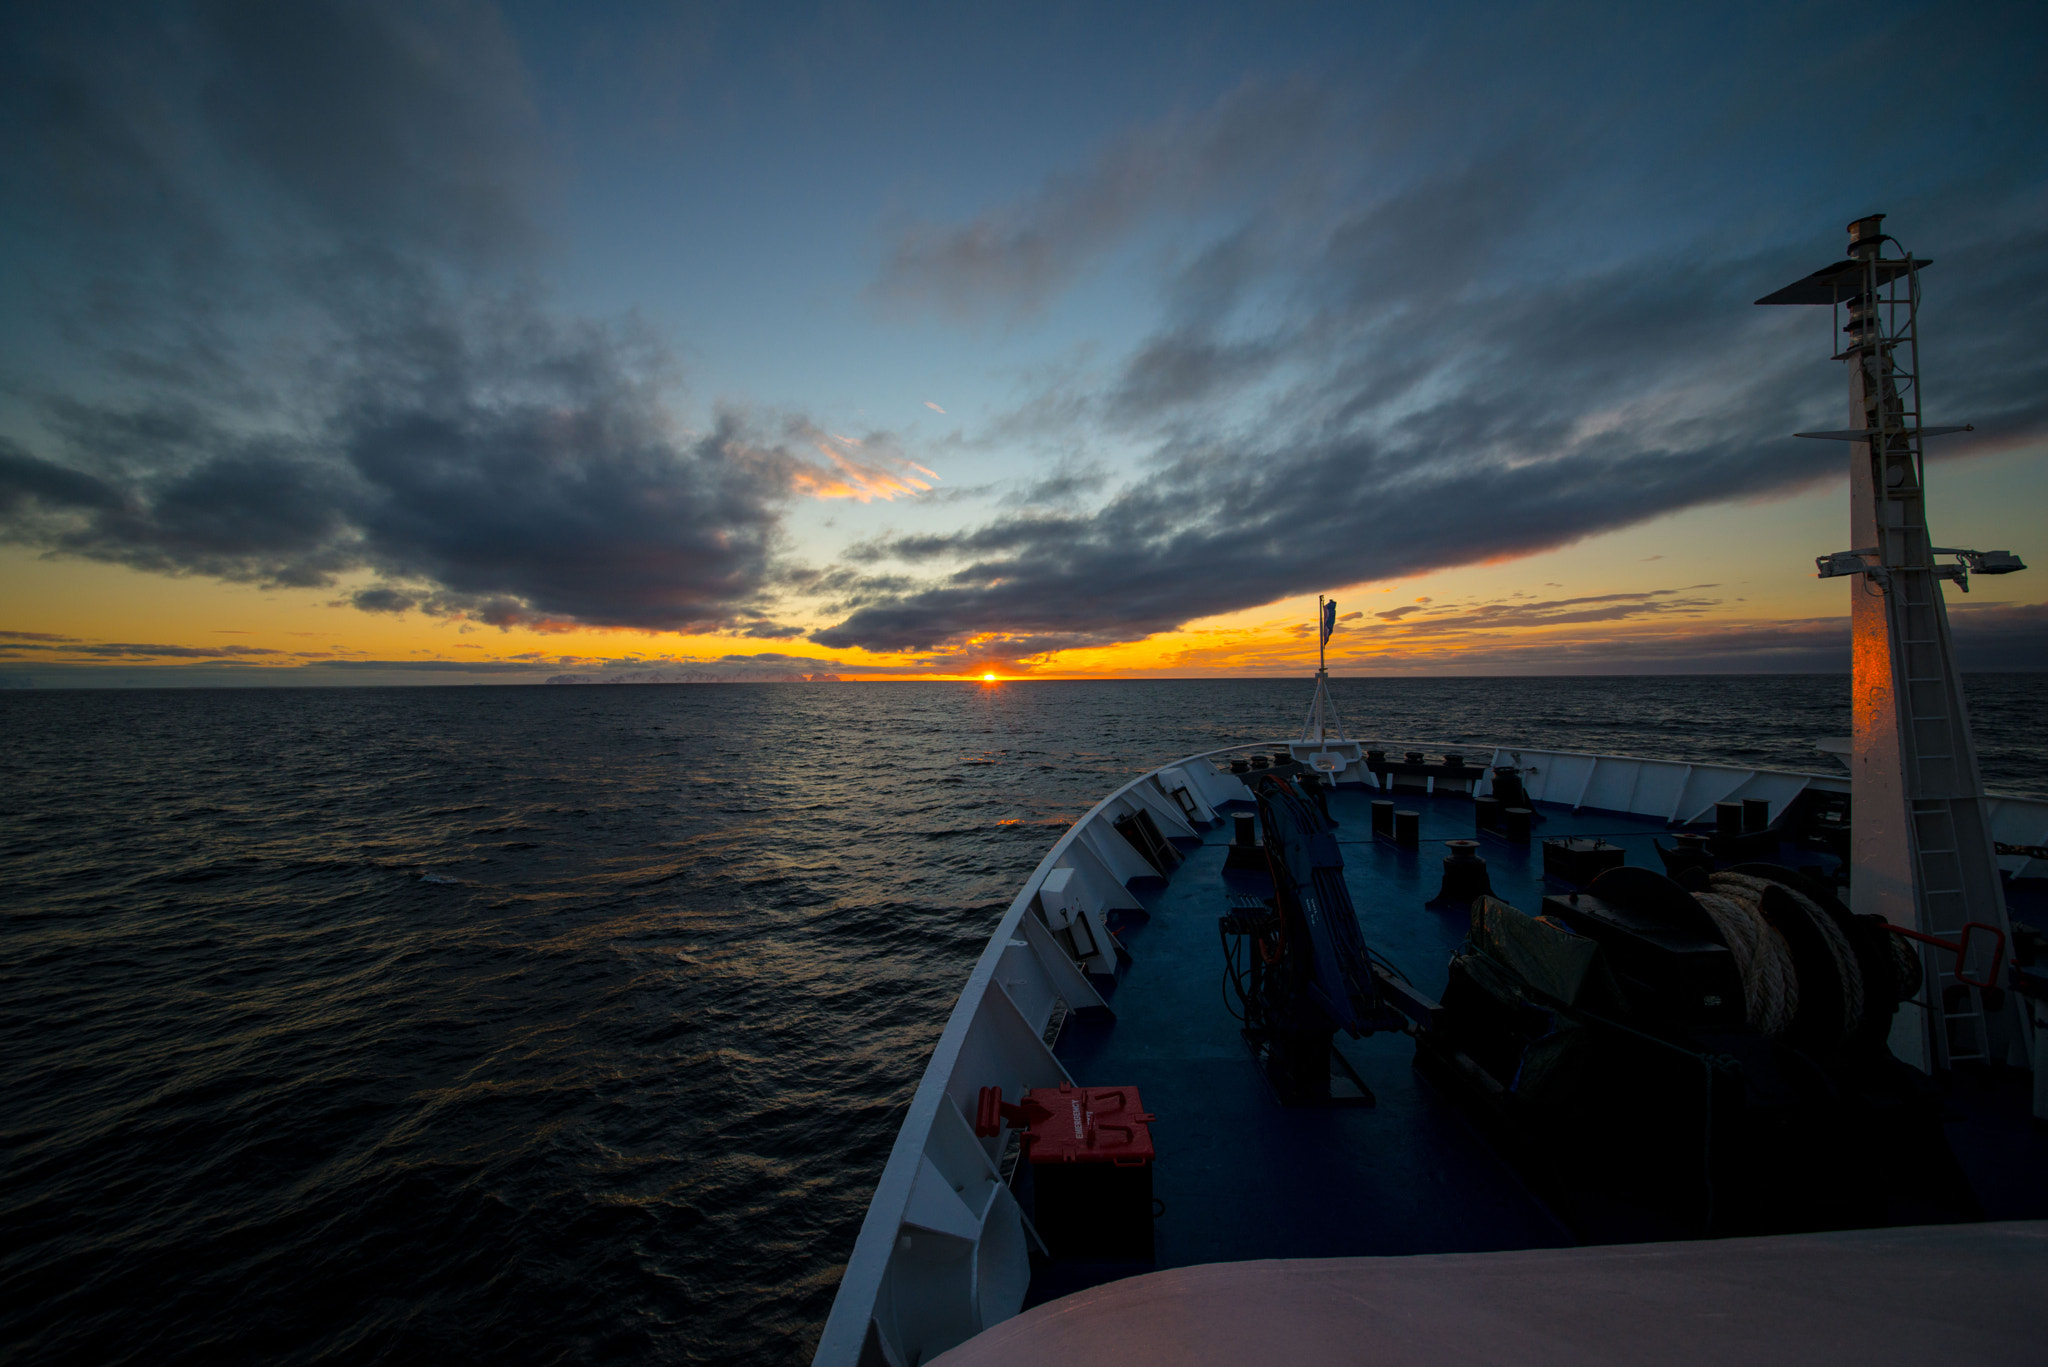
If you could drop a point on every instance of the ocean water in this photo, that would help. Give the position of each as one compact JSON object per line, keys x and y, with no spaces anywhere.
{"x":567,"y":1025}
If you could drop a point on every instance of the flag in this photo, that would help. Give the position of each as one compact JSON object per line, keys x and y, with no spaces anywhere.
{"x":1329,"y":620}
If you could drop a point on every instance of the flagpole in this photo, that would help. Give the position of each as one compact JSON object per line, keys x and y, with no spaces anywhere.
{"x":1322,"y":638}
{"x":1321,"y":711}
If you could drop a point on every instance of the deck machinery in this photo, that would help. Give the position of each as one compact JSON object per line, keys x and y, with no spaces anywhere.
{"x":1731,"y":1046}
{"x":1737,"y":1050}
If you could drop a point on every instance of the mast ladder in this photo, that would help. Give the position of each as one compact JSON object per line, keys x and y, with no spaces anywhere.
{"x":1920,"y":839}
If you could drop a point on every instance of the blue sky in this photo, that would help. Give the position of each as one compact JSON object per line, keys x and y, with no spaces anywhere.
{"x":913,"y":339}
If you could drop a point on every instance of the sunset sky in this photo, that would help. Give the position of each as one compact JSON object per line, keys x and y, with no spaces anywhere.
{"x":361,"y":343}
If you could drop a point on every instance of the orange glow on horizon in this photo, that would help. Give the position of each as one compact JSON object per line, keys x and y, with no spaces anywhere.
{"x":1667,"y":596}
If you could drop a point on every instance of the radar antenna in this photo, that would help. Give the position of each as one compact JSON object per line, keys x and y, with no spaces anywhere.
{"x":1920,"y":850}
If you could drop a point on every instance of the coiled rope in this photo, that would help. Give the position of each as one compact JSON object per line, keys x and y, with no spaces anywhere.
{"x":1770,"y":986}
{"x":1906,"y":965}
{"x":1748,"y":891}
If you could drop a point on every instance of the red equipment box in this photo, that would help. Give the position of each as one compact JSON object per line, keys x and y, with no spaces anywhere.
{"x":1089,"y":1152}
{"x":1089,"y":1125}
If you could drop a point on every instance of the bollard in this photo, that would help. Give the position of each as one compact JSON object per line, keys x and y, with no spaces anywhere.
{"x":1465,"y":876}
{"x":1383,"y":817}
{"x":1514,"y":823}
{"x":1727,"y":819}
{"x":1756,"y":815}
{"x":1407,"y":829}
{"x":1245,"y":854}
{"x":1485,"y":813}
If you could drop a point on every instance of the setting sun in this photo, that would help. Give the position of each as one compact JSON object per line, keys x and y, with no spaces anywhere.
{"x":988,"y":678}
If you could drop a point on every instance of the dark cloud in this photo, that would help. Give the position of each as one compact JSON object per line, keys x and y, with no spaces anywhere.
{"x":427,"y":666}
{"x":383,"y":599}
{"x":1015,"y":258}
{"x":761,"y":667}
{"x":2000,"y":636}
{"x":767,"y":631}
{"x":406,"y":123}
{"x":1213,"y":531}
{"x":1186,"y":366}
{"x":294,"y":245}
{"x":799,"y":664}
{"x":127,"y":650}
{"x":1990,"y":638}
{"x":1523,"y":612}
{"x":1435,"y":325}
{"x":1064,"y":487}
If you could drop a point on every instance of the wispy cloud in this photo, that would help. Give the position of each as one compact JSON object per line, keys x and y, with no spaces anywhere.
{"x":1507,"y":613}
{"x":1015,"y":257}
{"x":862,"y":480}
{"x":1380,"y":350}
{"x":129,"y":650}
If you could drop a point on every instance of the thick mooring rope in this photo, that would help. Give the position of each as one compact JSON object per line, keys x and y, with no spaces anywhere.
{"x":1905,"y":967}
{"x":1770,"y":987}
{"x":1748,"y":891}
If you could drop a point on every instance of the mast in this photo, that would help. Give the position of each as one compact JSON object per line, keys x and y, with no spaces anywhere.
{"x":1920,"y":850}
{"x":1323,"y":724}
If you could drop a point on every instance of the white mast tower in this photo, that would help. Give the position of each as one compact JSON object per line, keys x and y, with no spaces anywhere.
{"x":1919,"y":844}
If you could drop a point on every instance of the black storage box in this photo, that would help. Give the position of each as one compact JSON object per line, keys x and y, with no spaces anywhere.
{"x":1580,"y":860}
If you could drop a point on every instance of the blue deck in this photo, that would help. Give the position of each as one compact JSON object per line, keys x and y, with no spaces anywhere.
{"x":1244,"y":1177}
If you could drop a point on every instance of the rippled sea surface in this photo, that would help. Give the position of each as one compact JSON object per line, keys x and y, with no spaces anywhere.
{"x":573,"y":1024}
